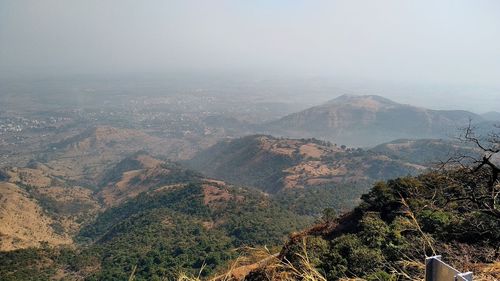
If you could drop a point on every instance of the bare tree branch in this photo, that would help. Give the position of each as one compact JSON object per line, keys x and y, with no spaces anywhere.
{"x":483,"y":187}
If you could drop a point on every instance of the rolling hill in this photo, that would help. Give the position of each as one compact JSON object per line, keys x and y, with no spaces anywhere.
{"x":277,"y":164}
{"x":23,"y":223}
{"x":185,"y":225}
{"x":309,"y":175}
{"x":139,"y":173}
{"x":369,"y":120}
{"x":83,"y":156}
{"x":102,"y":204}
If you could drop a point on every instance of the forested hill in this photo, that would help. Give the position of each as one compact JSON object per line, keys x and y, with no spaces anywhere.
{"x":398,"y":224}
{"x":185,"y":227}
{"x":161,"y":221}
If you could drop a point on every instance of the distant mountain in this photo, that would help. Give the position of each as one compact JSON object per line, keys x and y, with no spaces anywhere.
{"x":491,"y":116}
{"x":370,"y":120}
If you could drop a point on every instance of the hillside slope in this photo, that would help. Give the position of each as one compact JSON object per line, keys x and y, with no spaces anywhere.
{"x":424,"y":151}
{"x":139,"y":173}
{"x":159,"y":217}
{"x":309,"y":175}
{"x":83,"y":156}
{"x":40,"y":207}
{"x":398,"y":224}
{"x":23,"y":223}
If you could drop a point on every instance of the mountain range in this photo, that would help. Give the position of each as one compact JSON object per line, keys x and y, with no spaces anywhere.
{"x":107,"y":203}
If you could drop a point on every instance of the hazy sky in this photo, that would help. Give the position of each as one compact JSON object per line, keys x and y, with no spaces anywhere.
{"x":424,"y":41}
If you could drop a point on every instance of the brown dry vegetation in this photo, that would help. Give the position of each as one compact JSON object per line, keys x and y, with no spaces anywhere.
{"x":85,"y":155}
{"x":35,"y":177}
{"x":215,"y":194}
{"x":23,"y":223}
{"x":133,"y":182}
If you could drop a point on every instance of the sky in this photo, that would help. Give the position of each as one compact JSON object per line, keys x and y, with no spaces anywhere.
{"x":420,"y":41}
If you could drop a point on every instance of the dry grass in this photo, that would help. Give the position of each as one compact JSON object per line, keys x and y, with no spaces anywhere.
{"x":269,"y":264}
{"x":284,"y":270}
{"x":487,"y":272}
{"x":249,"y":259}
{"x":429,"y":241}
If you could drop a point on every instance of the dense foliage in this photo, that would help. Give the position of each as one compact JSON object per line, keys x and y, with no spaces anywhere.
{"x":313,"y":201}
{"x":161,"y":233}
{"x":401,"y":221}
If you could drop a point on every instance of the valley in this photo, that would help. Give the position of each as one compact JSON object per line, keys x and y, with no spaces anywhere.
{"x":89,"y":197}
{"x":194,"y":140}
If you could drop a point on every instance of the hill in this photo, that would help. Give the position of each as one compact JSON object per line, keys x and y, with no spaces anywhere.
{"x":83,"y":156}
{"x":139,"y":173}
{"x":370,"y":120}
{"x":23,"y":223}
{"x":424,"y":151}
{"x":276,"y":164}
{"x":397,"y":224}
{"x":309,"y":175}
{"x":184,"y":226}
{"x":40,"y":208}
{"x":491,"y":116}
{"x":152,"y":214}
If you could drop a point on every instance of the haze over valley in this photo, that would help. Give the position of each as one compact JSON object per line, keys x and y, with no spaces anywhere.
{"x":77,"y":168}
{"x":248,"y":140}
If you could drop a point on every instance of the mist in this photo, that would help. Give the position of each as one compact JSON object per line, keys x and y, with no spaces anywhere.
{"x":423,"y":42}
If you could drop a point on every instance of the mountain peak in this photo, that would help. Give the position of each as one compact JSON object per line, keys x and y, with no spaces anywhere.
{"x":365,"y":101}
